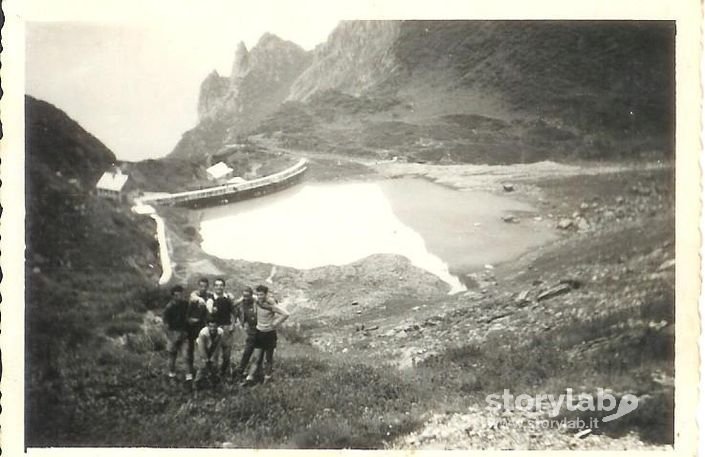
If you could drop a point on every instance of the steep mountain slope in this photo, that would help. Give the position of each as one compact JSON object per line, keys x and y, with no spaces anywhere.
{"x":67,"y":226}
{"x":589,"y":74}
{"x":87,"y":260}
{"x":357,"y":56}
{"x":468,"y":91}
{"x":258,"y":84}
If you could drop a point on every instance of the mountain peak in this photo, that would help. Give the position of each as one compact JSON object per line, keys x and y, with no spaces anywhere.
{"x":259,"y":82}
{"x":269,"y":38}
{"x":240,"y":62}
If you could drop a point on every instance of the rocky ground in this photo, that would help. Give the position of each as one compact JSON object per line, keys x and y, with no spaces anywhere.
{"x":603,"y":287}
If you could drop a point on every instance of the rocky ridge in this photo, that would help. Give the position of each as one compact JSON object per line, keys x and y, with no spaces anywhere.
{"x":230,"y":106}
{"x":356,"y":57}
{"x":450,"y":91}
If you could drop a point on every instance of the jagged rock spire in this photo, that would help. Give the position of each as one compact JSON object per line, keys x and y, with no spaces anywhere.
{"x":241,"y":62}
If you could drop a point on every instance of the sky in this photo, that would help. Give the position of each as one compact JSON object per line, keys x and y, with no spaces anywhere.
{"x":133,"y":82}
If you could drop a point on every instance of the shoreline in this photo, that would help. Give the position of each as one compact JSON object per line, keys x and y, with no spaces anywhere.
{"x":192,"y":261}
{"x":468,"y":178}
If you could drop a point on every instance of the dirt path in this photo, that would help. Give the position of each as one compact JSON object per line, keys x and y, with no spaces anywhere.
{"x":491,"y":177}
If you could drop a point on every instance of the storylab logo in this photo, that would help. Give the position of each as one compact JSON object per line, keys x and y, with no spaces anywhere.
{"x":603,"y":402}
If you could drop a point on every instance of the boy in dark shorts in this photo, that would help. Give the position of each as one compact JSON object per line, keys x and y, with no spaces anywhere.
{"x":269,"y":317}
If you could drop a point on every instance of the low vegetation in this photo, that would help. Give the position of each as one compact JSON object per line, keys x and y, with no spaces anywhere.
{"x":619,"y":351}
{"x":115,"y":393}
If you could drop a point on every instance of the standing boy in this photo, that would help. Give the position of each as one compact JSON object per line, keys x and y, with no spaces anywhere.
{"x":174,"y":318}
{"x":269,"y":317}
{"x":196,"y":319}
{"x":202,"y":294}
{"x":248,"y":321}
{"x":224,"y":313}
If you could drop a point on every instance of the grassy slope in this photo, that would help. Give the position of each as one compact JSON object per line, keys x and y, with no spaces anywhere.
{"x":123,"y":398}
{"x":587,"y":74}
{"x":88,"y":261}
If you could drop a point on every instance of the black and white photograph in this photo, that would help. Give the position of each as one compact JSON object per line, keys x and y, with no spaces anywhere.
{"x":303,"y":226}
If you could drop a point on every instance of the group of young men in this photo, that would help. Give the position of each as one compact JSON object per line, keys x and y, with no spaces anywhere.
{"x":205,"y":322}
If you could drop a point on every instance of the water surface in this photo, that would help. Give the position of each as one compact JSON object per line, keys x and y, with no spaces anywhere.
{"x":441,"y":230}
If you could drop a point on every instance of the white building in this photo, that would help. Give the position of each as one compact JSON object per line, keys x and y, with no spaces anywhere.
{"x":218,"y":171}
{"x":113,"y":185}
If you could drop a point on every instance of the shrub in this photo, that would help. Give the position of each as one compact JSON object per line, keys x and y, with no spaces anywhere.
{"x":295,"y":334}
{"x":330,"y":433}
{"x":653,"y":418}
{"x":119,"y":328}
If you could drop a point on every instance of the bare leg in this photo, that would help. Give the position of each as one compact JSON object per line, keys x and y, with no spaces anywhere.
{"x":253,"y":366}
{"x":226,"y":349}
{"x":172,"y":362}
{"x":268,"y":363}
{"x":174,"y":346}
{"x":190,"y":349}
{"x":246,"y":353}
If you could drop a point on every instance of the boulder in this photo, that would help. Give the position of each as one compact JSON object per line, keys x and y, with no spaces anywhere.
{"x":523,"y":297}
{"x":572,"y":282}
{"x":583,"y":224}
{"x":508,"y":187}
{"x":668,"y":264}
{"x":560,"y":289}
{"x":564,"y":224}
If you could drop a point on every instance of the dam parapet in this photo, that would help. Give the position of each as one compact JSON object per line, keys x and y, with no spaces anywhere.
{"x":232,"y":192}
